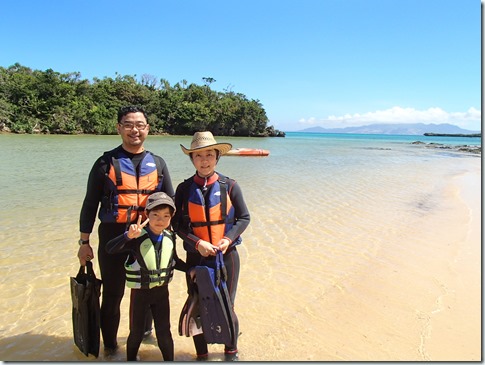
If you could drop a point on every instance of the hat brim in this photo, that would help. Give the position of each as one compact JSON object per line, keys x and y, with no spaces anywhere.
{"x":223,"y":148}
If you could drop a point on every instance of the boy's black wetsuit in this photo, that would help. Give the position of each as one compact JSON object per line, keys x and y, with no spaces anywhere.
{"x":154,"y":300}
{"x":111,"y":266}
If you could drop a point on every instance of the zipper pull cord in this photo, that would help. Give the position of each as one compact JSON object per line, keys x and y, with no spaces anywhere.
{"x":204,"y":188}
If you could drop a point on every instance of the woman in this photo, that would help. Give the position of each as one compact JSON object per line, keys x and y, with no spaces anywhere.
{"x":210,"y":216}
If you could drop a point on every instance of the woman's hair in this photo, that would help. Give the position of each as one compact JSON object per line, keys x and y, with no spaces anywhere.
{"x":217,"y":155}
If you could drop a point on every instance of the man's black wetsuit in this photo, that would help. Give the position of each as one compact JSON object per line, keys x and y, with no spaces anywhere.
{"x":111,"y":266}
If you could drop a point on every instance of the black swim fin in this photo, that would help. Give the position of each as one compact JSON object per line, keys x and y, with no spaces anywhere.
{"x":215,"y":305}
{"x":189,"y":321}
{"x":229,"y":306}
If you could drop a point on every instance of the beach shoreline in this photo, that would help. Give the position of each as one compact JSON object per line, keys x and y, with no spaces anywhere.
{"x":457,"y":333}
{"x":381,"y":313}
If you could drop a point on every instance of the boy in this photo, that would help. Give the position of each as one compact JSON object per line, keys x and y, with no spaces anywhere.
{"x":149,"y":268}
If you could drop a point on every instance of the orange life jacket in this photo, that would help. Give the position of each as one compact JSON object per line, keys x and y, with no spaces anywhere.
{"x":125,"y":192}
{"x":213,"y":217}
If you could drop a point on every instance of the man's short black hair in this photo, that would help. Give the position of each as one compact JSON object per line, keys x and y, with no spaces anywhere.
{"x":131,"y":109}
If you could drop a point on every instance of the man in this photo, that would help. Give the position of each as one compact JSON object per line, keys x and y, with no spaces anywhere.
{"x":119,"y":184}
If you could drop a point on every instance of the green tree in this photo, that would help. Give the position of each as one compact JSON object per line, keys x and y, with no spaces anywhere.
{"x":34,"y":101}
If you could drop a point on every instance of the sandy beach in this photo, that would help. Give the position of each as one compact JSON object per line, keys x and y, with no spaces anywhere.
{"x":380,"y":264}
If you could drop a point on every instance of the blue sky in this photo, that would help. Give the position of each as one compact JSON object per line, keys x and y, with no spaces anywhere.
{"x":329,"y":63}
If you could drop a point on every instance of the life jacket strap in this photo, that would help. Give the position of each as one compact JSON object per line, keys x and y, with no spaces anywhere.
{"x":149,"y":272}
{"x":159,"y":169}
{"x":117,"y":167}
{"x":223,"y":188}
{"x":149,"y":280}
{"x":136,"y":191}
{"x":132,"y":208}
{"x":206,"y":224}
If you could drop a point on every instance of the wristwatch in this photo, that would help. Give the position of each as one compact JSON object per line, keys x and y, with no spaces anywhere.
{"x":83,"y":242}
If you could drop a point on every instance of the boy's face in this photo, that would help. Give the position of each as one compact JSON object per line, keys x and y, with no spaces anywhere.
{"x":159,"y":219}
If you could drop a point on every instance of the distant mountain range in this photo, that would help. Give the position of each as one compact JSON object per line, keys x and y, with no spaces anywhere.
{"x":403,"y":129}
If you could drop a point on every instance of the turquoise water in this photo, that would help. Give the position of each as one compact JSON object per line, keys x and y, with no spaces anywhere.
{"x":387,"y":138}
{"x":331,"y":203}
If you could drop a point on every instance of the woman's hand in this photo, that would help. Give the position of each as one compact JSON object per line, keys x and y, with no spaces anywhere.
{"x":223,"y":245}
{"x":206,"y":248}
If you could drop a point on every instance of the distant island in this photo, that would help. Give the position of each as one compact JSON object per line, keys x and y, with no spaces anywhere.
{"x":453,"y":135}
{"x":397,"y":129}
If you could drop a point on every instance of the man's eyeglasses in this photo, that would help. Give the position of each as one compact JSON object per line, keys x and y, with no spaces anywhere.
{"x":130,"y":126}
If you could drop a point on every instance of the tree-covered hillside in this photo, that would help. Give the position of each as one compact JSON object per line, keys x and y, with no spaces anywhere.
{"x":34,"y":101}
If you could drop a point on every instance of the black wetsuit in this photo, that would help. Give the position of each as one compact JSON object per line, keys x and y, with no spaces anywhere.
{"x":111,"y":266}
{"x":231,"y":257}
{"x":143,"y":301}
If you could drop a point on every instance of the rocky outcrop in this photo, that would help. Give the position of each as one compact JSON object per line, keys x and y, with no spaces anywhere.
{"x":4,"y":128}
{"x":458,"y":148}
{"x":270,"y":132}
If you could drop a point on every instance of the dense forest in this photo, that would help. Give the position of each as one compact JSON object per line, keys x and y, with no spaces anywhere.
{"x":34,"y":101}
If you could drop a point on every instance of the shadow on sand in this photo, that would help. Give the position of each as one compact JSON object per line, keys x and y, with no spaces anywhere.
{"x":28,"y":347}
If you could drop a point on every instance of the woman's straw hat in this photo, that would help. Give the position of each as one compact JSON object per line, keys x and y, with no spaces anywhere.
{"x":202,"y":141}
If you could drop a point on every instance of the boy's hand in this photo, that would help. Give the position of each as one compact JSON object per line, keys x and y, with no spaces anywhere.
{"x":135,"y":229}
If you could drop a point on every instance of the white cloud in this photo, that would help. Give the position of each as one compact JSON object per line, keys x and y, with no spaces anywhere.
{"x":471,"y":119}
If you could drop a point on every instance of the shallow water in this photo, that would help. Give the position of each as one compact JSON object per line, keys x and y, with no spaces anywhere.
{"x":326,"y":213}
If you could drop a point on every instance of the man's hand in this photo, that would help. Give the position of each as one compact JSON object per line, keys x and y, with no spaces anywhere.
{"x":85,"y":253}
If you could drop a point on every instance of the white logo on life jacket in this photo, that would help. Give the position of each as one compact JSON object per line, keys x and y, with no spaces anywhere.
{"x":217,"y":193}
{"x":151,"y":164}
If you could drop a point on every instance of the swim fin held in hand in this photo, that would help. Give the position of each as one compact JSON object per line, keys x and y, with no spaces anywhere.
{"x":189,"y":321}
{"x":215,"y":306}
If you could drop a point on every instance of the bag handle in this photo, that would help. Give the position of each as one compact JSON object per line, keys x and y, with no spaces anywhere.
{"x":88,"y":269}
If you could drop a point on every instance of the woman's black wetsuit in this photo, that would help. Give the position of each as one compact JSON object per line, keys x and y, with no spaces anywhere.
{"x":231,"y":257}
